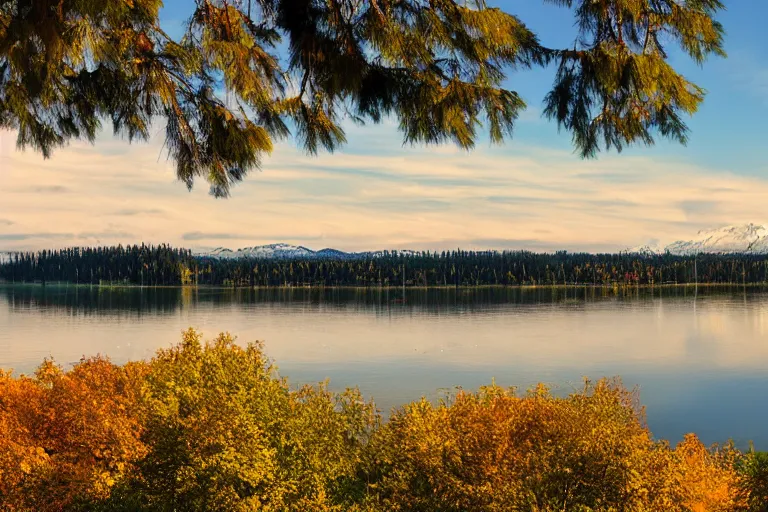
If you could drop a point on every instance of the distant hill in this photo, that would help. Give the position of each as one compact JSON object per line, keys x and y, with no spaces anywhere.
{"x":288,"y":251}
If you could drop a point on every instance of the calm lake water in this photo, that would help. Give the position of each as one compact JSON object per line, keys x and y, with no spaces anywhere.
{"x":699,"y":357}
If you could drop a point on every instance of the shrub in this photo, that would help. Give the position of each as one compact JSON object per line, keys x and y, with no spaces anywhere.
{"x":68,"y":437}
{"x":213,"y":427}
{"x":497,"y":451}
{"x":225,"y":433}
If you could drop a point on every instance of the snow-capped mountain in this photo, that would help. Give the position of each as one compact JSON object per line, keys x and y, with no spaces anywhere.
{"x":746,"y":238}
{"x":259,"y":252}
{"x":647,"y":249}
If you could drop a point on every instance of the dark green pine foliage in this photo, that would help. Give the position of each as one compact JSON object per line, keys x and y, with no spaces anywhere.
{"x":142,"y":264}
{"x":166,"y":266}
{"x":439,"y":67}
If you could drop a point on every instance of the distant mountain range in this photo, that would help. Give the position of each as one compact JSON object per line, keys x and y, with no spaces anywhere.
{"x":747,"y":238}
{"x":288,"y":251}
{"x":741,"y":239}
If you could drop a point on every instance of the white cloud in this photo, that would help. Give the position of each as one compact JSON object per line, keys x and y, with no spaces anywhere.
{"x":398,"y":197}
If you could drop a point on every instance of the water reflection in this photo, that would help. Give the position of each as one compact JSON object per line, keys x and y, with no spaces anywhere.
{"x":71,"y":299}
{"x":698,"y":355}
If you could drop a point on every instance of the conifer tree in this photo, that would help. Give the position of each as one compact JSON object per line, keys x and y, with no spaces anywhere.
{"x":225,"y":94}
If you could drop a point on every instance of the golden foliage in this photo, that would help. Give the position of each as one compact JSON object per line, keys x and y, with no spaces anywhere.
{"x":225,"y":433}
{"x":212,"y":427}
{"x":708,"y":481}
{"x":68,"y":436}
{"x":495,"y":450}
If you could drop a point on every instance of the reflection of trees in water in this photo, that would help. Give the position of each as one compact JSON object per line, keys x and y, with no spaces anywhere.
{"x":74,"y":300}
{"x":88,"y":300}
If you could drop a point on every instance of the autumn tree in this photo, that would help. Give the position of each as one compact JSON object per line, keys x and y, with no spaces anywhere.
{"x":496,"y":450}
{"x":212,"y":427}
{"x":225,"y":433}
{"x":67,"y":438}
{"x":439,"y":67}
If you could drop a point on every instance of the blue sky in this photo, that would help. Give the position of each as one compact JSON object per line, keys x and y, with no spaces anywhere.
{"x":533,"y":192}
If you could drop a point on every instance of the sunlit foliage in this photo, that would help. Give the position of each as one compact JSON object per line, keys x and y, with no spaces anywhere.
{"x":708,"y":480}
{"x":225,"y":433}
{"x":70,"y":436}
{"x":616,"y":86}
{"x":212,"y":427}
{"x":440,"y":68}
{"x":496,"y":450}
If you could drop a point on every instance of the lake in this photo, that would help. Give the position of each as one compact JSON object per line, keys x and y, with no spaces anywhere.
{"x":699,"y":356}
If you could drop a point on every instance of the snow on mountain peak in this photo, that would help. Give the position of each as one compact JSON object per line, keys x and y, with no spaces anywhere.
{"x":649,"y":249}
{"x":743,"y":238}
{"x":279,"y":250}
{"x":746,"y":238}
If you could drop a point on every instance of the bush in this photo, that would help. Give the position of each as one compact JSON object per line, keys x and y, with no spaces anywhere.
{"x":497,"y":451}
{"x":225,"y":433}
{"x":67,"y":437}
{"x":212,"y":427}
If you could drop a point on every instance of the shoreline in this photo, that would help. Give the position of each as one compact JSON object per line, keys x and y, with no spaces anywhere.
{"x":612,"y":286}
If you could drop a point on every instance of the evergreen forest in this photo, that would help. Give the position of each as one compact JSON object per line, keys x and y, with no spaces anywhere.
{"x":162,"y":265}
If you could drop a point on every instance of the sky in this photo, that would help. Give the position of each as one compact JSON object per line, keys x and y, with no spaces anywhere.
{"x":531,"y":193}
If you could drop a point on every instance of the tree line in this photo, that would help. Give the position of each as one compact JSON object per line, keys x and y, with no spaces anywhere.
{"x":150,"y":265}
{"x":163,"y":265}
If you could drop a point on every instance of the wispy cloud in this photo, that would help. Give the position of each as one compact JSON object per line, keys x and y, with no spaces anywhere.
{"x":758,"y":83}
{"x":111,"y":235}
{"x":532,"y":114}
{"x":196,"y":236}
{"x":48,"y":189}
{"x":391,"y":196}
{"x":699,"y":208}
{"x":614,"y":177}
{"x":16,"y":237}
{"x":130,"y":212}
{"x":749,"y":74}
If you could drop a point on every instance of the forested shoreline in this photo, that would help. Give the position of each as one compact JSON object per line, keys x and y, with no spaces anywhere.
{"x":162,"y":265}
